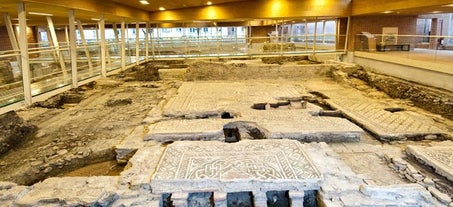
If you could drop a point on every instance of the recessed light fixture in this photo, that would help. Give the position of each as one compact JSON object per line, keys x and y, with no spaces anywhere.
{"x":161,"y":8}
{"x":209,"y":3}
{"x":40,"y":14}
{"x":95,"y":19}
{"x":448,"y":5}
{"x":144,"y":2}
{"x":387,"y":12}
{"x":435,"y":12}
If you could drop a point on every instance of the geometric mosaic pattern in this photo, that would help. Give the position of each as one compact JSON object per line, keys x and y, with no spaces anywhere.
{"x":438,"y":157}
{"x":371,"y":114}
{"x":247,"y":163}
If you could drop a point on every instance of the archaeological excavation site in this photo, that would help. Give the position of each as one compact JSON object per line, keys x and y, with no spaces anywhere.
{"x":226,"y":103}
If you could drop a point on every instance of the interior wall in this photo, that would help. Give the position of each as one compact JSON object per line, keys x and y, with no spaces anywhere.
{"x":5,"y":44}
{"x":407,"y":25}
{"x":261,"y":31}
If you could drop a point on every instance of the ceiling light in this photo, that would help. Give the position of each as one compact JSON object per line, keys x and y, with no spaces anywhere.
{"x":40,"y":14}
{"x":161,"y":8}
{"x":435,"y":12}
{"x":209,"y":3}
{"x":448,"y":5}
{"x":144,"y":2}
{"x":95,"y":19}
{"x":387,"y":12}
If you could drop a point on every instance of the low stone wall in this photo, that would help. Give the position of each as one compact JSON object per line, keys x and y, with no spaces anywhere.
{"x":435,"y":100}
{"x":241,"y":71}
{"x":13,"y":130}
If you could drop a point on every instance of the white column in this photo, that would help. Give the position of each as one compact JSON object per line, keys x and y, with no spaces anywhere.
{"x":103,"y":47}
{"x":54,"y":38}
{"x":85,"y":46}
{"x":123,"y":45}
{"x":24,"y":59}
{"x":73,"y":47}
{"x":137,"y":43}
{"x":314,"y":35}
{"x":147,"y":42}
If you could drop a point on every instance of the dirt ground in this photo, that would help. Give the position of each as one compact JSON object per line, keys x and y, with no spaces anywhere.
{"x":77,"y":135}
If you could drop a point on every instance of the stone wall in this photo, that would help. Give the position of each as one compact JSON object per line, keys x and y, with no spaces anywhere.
{"x":13,"y":130}
{"x":241,"y":71}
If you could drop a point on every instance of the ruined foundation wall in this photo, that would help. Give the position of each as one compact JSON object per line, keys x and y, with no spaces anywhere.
{"x":242,"y":71}
{"x":13,"y":130}
{"x":435,"y":100}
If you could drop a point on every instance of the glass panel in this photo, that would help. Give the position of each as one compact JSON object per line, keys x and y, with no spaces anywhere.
{"x":11,"y":88}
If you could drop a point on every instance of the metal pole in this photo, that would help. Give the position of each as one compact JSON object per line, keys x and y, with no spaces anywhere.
{"x":123,"y":45}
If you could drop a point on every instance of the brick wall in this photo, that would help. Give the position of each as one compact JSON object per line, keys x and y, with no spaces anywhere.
{"x":407,"y":25}
{"x":261,"y":31}
{"x":5,"y":44}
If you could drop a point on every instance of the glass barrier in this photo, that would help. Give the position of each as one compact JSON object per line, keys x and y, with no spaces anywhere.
{"x":49,"y":69}
{"x":11,"y":86}
{"x":88,"y":61}
{"x":436,"y":49}
{"x":113,"y":56}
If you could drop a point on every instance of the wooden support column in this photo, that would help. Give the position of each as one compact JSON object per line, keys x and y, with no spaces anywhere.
{"x":85,"y":46}
{"x":24,"y":59}
{"x":55,"y":43}
{"x":73,"y":47}
{"x":103,"y":47}
{"x":137,"y":43}
{"x":123,"y":45}
{"x":314,"y":36}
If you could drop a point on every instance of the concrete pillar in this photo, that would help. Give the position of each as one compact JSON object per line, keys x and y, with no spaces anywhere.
{"x":147,"y":42}
{"x":296,"y":198}
{"x":73,"y":47}
{"x":434,"y":32}
{"x":179,"y":199}
{"x":103,"y":47}
{"x":24,"y":58}
{"x":123,"y":44}
{"x":220,"y":199}
{"x":259,"y":199}
{"x":137,"y":43}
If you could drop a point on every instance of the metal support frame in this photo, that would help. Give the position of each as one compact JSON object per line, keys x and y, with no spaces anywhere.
{"x":85,"y":46}
{"x":103,"y":47}
{"x":123,"y":45}
{"x":137,"y":43}
{"x":73,"y":47}
{"x":23,"y":45}
{"x":55,"y":43}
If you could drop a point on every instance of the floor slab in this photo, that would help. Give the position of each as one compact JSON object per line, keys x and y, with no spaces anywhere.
{"x":247,"y":165}
{"x":372,"y":115}
{"x":439,"y":157}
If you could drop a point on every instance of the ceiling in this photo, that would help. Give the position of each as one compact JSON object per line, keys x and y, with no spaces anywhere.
{"x":114,"y":11}
{"x":154,"y":5}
